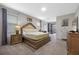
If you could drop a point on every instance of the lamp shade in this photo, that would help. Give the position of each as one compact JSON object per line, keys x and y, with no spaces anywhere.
{"x":18,"y":27}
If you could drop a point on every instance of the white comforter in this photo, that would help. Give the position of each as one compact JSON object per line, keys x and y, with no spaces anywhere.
{"x":34,"y":33}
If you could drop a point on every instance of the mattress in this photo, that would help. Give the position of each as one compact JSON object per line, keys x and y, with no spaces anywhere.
{"x":35,"y":35}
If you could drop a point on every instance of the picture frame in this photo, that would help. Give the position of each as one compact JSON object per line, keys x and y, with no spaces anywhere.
{"x":29,"y":19}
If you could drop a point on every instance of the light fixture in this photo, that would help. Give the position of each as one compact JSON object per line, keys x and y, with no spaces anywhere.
{"x":43,"y":9}
{"x":18,"y":27}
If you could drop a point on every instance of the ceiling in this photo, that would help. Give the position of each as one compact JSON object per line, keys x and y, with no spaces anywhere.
{"x":53,"y":9}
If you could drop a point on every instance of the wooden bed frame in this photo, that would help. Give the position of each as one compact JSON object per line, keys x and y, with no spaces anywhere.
{"x":34,"y":43}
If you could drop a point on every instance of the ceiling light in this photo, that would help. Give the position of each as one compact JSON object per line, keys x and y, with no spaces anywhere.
{"x":43,"y":9}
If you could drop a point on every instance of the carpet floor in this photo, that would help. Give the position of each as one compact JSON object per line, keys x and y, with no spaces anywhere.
{"x":54,"y":47}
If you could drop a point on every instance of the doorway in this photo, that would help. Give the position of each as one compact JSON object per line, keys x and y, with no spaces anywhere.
{"x":51,"y":28}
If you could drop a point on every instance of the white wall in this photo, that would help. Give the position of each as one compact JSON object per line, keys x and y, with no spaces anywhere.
{"x":77,"y":12}
{"x":36,"y":22}
{"x":15,"y":18}
{"x":44,"y":26}
{"x":61,"y":32}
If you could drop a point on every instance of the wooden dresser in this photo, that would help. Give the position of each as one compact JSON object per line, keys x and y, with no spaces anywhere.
{"x":17,"y":38}
{"x":73,"y":43}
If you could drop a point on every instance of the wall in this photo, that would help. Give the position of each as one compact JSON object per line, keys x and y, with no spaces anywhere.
{"x":61,"y":32}
{"x":44,"y":26}
{"x":15,"y":17}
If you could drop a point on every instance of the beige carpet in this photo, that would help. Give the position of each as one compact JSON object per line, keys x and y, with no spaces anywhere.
{"x":54,"y":47}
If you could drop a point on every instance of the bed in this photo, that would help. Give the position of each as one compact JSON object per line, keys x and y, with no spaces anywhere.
{"x":34,"y":38}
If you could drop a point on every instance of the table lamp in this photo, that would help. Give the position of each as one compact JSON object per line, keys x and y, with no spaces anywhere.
{"x":17,"y":29}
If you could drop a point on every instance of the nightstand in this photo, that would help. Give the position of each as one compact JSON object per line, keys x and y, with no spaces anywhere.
{"x":17,"y":38}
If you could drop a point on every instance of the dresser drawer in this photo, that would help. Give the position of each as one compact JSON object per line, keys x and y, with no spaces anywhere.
{"x":73,"y":43}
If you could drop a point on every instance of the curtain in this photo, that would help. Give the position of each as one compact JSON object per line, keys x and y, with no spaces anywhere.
{"x":4,"y":26}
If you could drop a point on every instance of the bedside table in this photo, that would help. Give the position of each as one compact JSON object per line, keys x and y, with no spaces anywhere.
{"x":17,"y":38}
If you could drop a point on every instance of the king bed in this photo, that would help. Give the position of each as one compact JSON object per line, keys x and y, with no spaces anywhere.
{"x":32,"y":37}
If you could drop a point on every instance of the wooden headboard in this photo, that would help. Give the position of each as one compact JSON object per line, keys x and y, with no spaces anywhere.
{"x":27,"y":26}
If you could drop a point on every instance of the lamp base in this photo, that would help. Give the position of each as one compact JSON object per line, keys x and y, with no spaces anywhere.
{"x":17,"y":31}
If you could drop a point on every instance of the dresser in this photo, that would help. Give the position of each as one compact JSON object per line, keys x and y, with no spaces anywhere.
{"x":16,"y":38}
{"x":73,"y":43}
